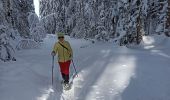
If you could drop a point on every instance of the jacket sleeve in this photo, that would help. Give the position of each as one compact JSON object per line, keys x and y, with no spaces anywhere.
{"x":55,"y":48}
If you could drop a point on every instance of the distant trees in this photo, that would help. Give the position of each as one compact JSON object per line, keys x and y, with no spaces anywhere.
{"x":126,"y":20}
{"x":82,"y":18}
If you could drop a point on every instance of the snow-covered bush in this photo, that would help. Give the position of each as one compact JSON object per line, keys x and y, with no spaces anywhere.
{"x":36,"y":35}
{"x":102,"y":36}
{"x":27,"y":44}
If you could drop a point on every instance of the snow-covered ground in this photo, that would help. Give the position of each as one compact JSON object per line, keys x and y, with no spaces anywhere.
{"x":105,"y":72}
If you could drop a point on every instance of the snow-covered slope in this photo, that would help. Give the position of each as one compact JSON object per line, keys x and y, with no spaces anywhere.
{"x":105,"y":72}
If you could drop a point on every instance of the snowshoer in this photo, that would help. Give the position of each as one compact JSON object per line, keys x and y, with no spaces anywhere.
{"x":65,"y":54}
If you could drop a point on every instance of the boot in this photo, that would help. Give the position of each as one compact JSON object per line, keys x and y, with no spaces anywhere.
{"x":66,"y":80}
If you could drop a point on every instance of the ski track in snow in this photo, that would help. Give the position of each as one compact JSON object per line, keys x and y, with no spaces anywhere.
{"x":105,"y":72}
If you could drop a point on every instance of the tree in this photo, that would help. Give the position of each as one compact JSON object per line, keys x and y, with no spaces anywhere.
{"x":167,"y":27}
{"x":16,"y":28}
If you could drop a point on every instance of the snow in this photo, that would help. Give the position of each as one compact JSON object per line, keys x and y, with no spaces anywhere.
{"x":159,"y":28}
{"x":36,"y":5}
{"x":105,"y":72}
{"x":155,"y":41}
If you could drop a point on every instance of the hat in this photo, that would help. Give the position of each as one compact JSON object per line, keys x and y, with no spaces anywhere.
{"x":60,"y":34}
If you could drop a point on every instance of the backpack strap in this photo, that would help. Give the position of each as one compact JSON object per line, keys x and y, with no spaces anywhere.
{"x":63,"y":46}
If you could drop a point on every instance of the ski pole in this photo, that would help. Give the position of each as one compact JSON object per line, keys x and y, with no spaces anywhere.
{"x":52,"y":68}
{"x":74,"y":68}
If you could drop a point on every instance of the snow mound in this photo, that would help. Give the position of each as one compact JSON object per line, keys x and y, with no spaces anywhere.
{"x":152,"y":42}
{"x":155,"y":41}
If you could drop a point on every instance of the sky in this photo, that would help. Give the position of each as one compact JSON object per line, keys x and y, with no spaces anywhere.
{"x":36,"y":4}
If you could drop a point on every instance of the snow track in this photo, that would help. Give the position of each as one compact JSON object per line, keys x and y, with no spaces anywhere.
{"x":105,"y":72}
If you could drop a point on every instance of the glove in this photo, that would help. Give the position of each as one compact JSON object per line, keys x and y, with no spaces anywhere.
{"x":53,"y":53}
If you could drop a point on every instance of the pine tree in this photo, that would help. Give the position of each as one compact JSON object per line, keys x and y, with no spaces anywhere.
{"x":167,"y":27}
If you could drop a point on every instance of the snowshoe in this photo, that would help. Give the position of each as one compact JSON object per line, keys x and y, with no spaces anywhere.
{"x":66,"y":86}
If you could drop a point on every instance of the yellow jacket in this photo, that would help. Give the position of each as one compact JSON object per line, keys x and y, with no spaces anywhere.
{"x":63,"y":54}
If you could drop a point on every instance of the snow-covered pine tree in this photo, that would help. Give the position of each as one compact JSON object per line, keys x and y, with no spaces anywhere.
{"x":161,"y":23}
{"x":122,"y":17}
{"x":167,"y":25}
{"x":71,"y":16}
{"x":104,"y":21}
{"x":37,"y":31}
{"x":7,"y":34}
{"x":16,"y":30}
{"x":80,"y":29}
{"x":6,"y":49}
{"x":144,"y":17}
